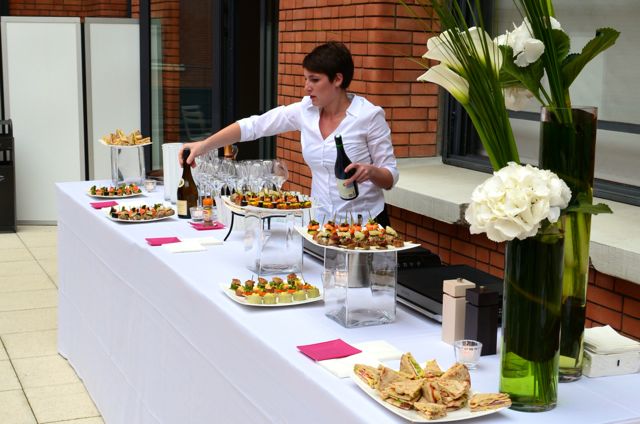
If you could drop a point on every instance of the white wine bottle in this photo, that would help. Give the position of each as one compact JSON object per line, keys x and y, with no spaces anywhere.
{"x":347,"y":192}
{"x":187,"y":190}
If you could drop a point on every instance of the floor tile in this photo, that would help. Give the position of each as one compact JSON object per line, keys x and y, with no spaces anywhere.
{"x":61,"y":402}
{"x":3,"y":353}
{"x":92,"y":420}
{"x":26,"y":282}
{"x":37,"y":228}
{"x":28,"y":320}
{"x":38,"y":239}
{"x":15,"y":408}
{"x":44,"y":371}
{"x":46,"y":252}
{"x":31,"y":344}
{"x":11,"y":269}
{"x":8,"y":379}
{"x":10,"y":241}
{"x":12,"y":254}
{"x":33,"y":299}
{"x":50,"y":266}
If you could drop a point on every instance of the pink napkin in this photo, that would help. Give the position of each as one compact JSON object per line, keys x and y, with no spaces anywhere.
{"x":328,"y":350}
{"x":159,"y":241}
{"x":201,"y":227}
{"x":100,"y":205}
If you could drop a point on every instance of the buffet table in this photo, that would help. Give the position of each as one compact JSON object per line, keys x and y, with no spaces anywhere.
{"x":155,"y":339}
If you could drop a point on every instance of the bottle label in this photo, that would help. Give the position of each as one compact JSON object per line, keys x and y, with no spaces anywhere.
{"x":182,"y":208}
{"x":347,"y":192}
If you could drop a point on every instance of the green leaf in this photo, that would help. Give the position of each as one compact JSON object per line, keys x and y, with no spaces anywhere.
{"x":583,"y":204}
{"x":573,"y":64}
{"x":528,"y":76}
{"x":561,"y":44}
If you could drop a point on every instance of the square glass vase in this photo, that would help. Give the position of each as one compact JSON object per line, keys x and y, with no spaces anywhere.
{"x":127,"y":165}
{"x":359,"y":287}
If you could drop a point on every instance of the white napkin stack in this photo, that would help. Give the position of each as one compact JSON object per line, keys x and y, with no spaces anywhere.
{"x":205,"y":241}
{"x":605,"y":340}
{"x":373,"y":353}
{"x":609,"y":353}
{"x":184,"y":247}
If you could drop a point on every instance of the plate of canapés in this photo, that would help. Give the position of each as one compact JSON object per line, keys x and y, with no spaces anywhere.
{"x":425,"y":393}
{"x":138,"y":213}
{"x":272,"y":292}
{"x":346,"y":235}
{"x":109,"y":192}
{"x":269,"y":200}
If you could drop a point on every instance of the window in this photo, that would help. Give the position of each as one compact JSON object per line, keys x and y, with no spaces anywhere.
{"x":608,"y":82}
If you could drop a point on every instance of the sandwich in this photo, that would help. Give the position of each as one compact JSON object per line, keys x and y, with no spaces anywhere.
{"x":430,"y":410}
{"x":406,"y":390}
{"x":431,"y":392}
{"x":485,"y":401}
{"x":386,"y":377}
{"x":369,"y":375}
{"x":458,"y":372}
{"x":452,"y":389}
{"x":410,"y":367}
{"x":432,"y":369}
{"x":399,"y":403}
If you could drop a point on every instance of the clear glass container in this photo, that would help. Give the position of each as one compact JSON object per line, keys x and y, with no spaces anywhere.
{"x":360,"y":288}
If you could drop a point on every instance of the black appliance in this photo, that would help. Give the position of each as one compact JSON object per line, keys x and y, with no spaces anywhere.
{"x":7,"y":178}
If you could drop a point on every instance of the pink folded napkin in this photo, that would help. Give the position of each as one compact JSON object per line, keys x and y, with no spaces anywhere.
{"x":100,"y":205}
{"x":201,"y":227}
{"x":328,"y":350}
{"x":159,"y":241}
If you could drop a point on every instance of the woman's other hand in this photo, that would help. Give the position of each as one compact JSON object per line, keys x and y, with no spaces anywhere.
{"x":365,"y":172}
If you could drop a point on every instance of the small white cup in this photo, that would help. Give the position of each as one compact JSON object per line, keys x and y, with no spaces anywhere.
{"x":150,"y":185}
{"x":467,"y":352}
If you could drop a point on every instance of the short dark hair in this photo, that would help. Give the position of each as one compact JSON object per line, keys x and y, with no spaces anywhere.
{"x":330,"y":59}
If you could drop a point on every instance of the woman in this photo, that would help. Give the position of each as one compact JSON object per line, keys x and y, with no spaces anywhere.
{"x":326,"y":111}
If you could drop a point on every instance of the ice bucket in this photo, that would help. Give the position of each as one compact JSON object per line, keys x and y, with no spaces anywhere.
{"x":127,"y":165}
{"x":360,"y":288}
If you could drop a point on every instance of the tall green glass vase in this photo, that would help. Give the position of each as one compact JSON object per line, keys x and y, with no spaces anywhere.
{"x":567,"y":147}
{"x":531,"y":320}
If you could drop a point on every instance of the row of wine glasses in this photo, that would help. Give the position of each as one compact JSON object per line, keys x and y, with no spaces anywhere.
{"x":215,"y":176}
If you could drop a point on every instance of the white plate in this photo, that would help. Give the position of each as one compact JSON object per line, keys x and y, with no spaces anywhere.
{"x":407,"y":245}
{"x":239,"y":299}
{"x":138,"y":204}
{"x":103,"y":196}
{"x":413,"y":415}
{"x":122,"y":146}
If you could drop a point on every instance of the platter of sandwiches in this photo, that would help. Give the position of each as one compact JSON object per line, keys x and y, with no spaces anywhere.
{"x":121,"y":191}
{"x":139,"y":212}
{"x":120,"y":139}
{"x":273,"y":292}
{"x":370,"y":237}
{"x":426,"y":393}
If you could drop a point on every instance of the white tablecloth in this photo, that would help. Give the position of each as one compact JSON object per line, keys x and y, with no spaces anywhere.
{"x":156,"y":341}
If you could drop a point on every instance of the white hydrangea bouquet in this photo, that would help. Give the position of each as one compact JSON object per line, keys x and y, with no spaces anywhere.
{"x":516,"y":201}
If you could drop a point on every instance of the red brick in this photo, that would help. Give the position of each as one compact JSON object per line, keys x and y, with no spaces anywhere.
{"x":604,"y":280}
{"x":627,"y":288}
{"x":496,"y":259}
{"x":631,"y":307}
{"x":445,"y":256}
{"x":457,"y":259}
{"x":482,"y":254}
{"x":463,"y":248}
{"x":604,"y":297}
{"x":631,"y":327}
{"x":604,"y":315}
{"x":444,"y":241}
{"x":497,"y":272}
{"x":427,"y":235}
{"x":482,"y":266}
{"x":424,"y":138}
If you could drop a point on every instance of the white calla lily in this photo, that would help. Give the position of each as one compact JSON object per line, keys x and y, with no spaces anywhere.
{"x":449,"y":80}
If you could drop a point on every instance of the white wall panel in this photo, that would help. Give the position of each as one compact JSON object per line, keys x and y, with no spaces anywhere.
{"x":112,"y":55}
{"x":42,"y":76}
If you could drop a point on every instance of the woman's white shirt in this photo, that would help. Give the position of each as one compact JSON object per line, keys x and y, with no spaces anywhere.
{"x":366,"y":138}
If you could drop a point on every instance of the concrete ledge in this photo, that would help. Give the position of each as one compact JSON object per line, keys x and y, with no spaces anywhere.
{"x":429,"y":187}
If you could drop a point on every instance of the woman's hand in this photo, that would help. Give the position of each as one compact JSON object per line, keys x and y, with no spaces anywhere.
{"x":195,"y":150}
{"x":365,"y":172}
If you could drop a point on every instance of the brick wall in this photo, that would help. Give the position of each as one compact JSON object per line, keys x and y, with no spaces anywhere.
{"x":382,"y":37}
{"x":81,"y":8}
{"x":610,"y":300}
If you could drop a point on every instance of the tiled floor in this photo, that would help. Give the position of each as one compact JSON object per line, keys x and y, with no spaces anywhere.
{"x":36,"y":384}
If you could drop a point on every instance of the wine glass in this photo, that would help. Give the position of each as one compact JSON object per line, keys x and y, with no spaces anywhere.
{"x":279,"y":173}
